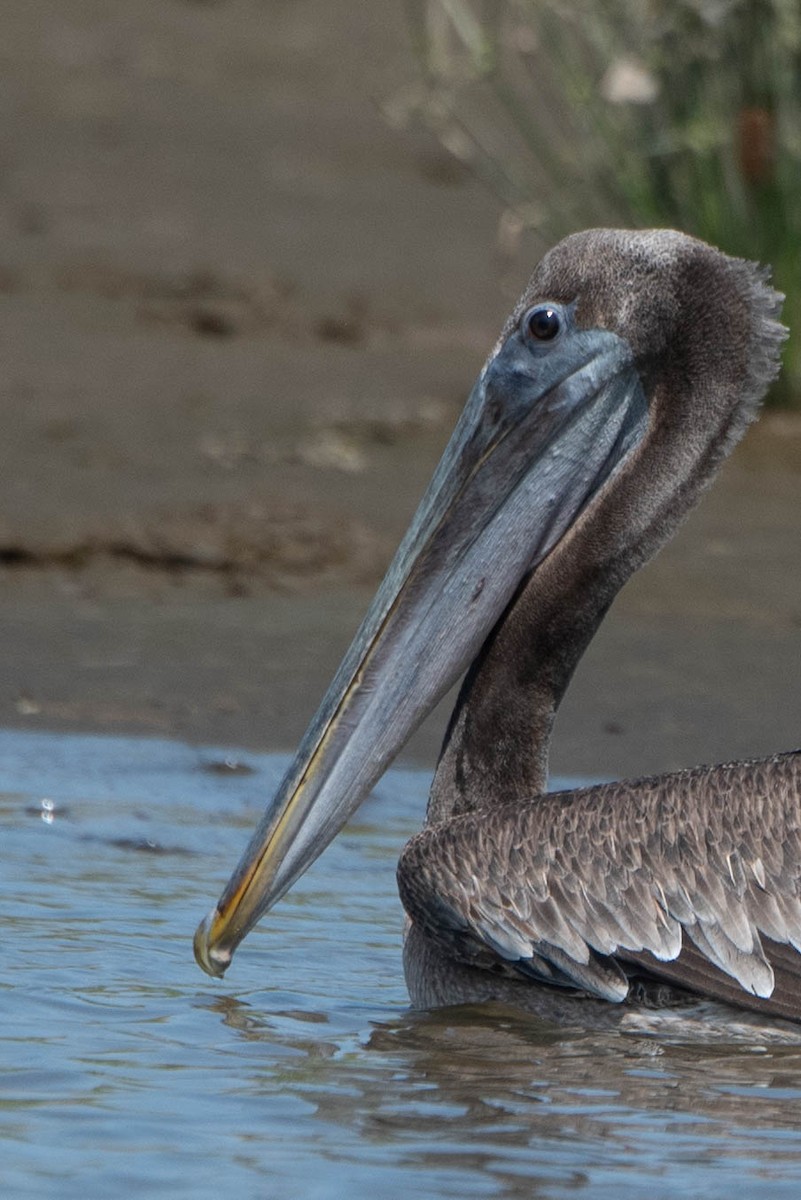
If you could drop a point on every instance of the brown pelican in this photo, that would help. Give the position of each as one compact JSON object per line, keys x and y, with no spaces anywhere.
{"x":627,"y":372}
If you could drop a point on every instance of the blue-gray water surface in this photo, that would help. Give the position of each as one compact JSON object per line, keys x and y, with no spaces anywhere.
{"x":304,"y":1074}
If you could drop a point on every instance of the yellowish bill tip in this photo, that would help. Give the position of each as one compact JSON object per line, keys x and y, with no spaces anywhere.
{"x":214,"y":961}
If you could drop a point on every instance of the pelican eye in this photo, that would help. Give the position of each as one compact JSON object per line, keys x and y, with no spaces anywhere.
{"x":543,"y":323}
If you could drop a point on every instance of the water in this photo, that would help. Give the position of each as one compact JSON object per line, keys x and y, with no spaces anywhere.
{"x":304,"y":1074}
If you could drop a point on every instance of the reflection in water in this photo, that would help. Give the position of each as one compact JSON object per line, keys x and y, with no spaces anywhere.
{"x":522,"y":1106}
{"x":304,"y":1074}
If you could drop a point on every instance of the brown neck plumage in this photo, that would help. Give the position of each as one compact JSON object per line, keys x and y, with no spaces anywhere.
{"x":703,"y":391}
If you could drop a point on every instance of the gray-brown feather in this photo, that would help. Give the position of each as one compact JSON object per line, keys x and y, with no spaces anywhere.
{"x":705,"y":337}
{"x":693,"y":877}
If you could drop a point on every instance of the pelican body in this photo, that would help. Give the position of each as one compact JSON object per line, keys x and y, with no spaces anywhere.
{"x":627,"y":372}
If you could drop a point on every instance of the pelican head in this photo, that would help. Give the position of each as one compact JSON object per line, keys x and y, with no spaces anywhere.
{"x":647,"y":350}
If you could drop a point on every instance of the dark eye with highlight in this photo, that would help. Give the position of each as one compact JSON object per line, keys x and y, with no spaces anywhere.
{"x":543,"y":323}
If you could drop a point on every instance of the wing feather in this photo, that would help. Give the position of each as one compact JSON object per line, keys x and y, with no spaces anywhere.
{"x":684,"y":875}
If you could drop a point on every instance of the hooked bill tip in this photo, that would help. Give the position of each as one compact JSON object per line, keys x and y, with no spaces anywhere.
{"x":213,"y":960}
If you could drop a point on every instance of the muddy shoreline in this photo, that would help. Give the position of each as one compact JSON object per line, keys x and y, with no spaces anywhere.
{"x":240,"y":313}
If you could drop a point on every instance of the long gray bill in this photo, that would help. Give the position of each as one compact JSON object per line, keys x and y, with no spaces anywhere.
{"x":542,"y":431}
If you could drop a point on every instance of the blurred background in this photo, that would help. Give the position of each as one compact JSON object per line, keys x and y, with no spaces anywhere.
{"x":253,"y":254}
{"x":678,"y":113}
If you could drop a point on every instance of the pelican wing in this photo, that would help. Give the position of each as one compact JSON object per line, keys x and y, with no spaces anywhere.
{"x":694,"y":878}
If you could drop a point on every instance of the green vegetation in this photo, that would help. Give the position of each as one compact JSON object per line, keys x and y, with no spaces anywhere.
{"x":683,"y":113}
